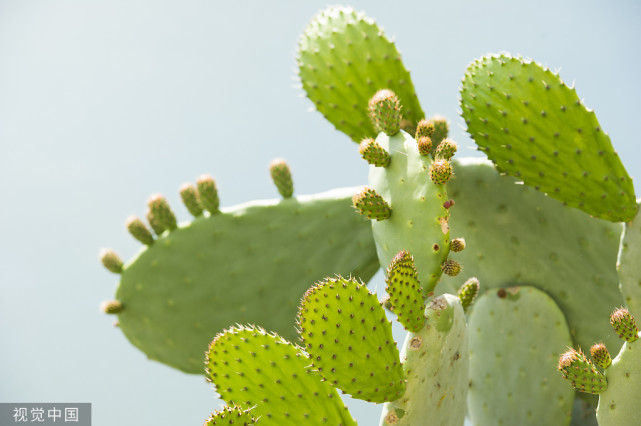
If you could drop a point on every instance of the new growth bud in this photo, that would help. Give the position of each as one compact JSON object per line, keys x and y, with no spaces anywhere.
{"x":624,"y":325}
{"x":373,"y":153}
{"x":451,"y":267}
{"x":425,"y":128}
{"x":191,"y":199}
{"x":446,"y":149}
{"x":441,"y":128}
{"x":457,"y":244}
{"x":440,"y":171}
{"x":385,"y":112}
{"x":468,"y":291}
{"x":111,"y":306}
{"x":139,"y":231}
{"x":372,"y":205}
{"x":282,"y":177}
{"x":581,"y":373}
{"x":600,"y":355}
{"x":424,"y":145}
{"x":208,"y":193}
{"x":111,"y":261}
{"x":160,"y":215}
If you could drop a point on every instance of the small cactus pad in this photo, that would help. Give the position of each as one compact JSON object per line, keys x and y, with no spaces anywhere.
{"x":629,"y":266}
{"x":249,"y":263}
{"x":624,"y":324}
{"x":446,"y":149}
{"x":581,"y":373}
{"x":424,"y":128}
{"x":468,"y":291}
{"x":457,"y":244}
{"x":191,"y":199}
{"x":371,"y":205}
{"x":111,"y":261}
{"x":600,"y":355}
{"x":111,"y":306}
{"x":385,"y":112}
{"x":343,"y":55}
{"x":515,"y":336}
{"x":569,"y":255}
{"x":208,"y":193}
{"x":139,"y":230}
{"x":282,"y":177}
{"x":419,"y":220}
{"x":161,"y":212}
{"x":619,"y":403}
{"x":435,"y":361}
{"x":405,"y":293}
{"x":533,"y":126}
{"x":451,"y":267}
{"x":440,"y":171}
{"x":373,"y":153}
{"x":231,"y":416}
{"x":253,"y":368}
{"x":424,"y":145}
{"x":441,"y":129}
{"x":349,"y":340}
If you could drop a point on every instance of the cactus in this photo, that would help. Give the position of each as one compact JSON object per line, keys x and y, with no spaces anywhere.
{"x":619,"y":386}
{"x":538,"y":226}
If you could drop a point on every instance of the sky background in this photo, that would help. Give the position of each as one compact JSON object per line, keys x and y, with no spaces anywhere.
{"x":103,"y":103}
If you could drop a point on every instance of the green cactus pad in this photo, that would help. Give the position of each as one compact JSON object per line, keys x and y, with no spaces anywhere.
{"x":419,"y":220}
{"x":282,"y":177}
{"x":435,"y":361}
{"x":518,"y":236}
{"x":446,"y":149}
{"x":250,"y":263}
{"x":373,"y":153}
{"x":533,"y":126}
{"x":344,"y":58}
{"x":581,"y":372}
{"x":624,"y":325}
{"x":139,"y":230}
{"x":253,"y":368}
{"x":385,"y":112}
{"x":468,"y":292}
{"x":191,"y":199}
{"x":231,"y":416}
{"x":619,"y":404}
{"x":370,"y":204}
{"x":349,"y":340}
{"x":600,"y":355}
{"x":629,"y":265}
{"x":405,"y":293}
{"x":515,"y":336}
{"x":111,"y":261}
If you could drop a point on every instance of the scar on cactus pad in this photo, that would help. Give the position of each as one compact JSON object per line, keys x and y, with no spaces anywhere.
{"x":193,"y":279}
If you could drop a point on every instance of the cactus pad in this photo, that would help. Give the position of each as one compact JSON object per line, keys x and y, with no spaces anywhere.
{"x":253,"y":368}
{"x":629,"y":265}
{"x":231,"y":416}
{"x":250,"y":263}
{"x":533,"y":126}
{"x":515,"y":336}
{"x":435,"y":361}
{"x":349,"y":340}
{"x":343,"y":55}
{"x":569,"y":255}
{"x":404,"y":290}
{"x":581,"y":373}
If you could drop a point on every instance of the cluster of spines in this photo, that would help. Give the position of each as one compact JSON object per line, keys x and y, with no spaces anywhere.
{"x":405,"y":292}
{"x":429,"y":133}
{"x":231,"y":415}
{"x":581,"y":372}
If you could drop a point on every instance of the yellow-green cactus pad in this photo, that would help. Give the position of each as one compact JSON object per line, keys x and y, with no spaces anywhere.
{"x":533,"y":126}
{"x":231,"y":416}
{"x":253,"y":368}
{"x":250,"y":263}
{"x":344,"y":58}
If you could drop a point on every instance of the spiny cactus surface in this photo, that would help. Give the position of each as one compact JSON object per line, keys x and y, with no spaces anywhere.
{"x":343,"y":59}
{"x":629,"y":265}
{"x":533,"y":126}
{"x":515,"y":336}
{"x":249,"y":263}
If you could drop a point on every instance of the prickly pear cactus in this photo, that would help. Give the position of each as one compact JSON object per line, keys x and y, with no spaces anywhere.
{"x":343,"y":59}
{"x":249,"y":263}
{"x":629,"y":265}
{"x":515,"y":335}
{"x":533,"y":126}
{"x":435,"y":361}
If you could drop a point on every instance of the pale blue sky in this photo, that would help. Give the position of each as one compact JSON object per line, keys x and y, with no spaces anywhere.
{"x":103,"y":103}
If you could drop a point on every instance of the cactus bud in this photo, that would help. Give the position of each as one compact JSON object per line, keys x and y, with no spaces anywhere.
{"x":581,"y":373}
{"x":468,"y":291}
{"x":441,"y":128}
{"x":111,"y":306}
{"x":161,"y":213}
{"x":282,"y":177}
{"x":424,"y":128}
{"x":624,"y":325}
{"x":424,"y":145}
{"x":457,"y":244}
{"x":440,"y":171}
{"x":208,"y":193}
{"x":373,"y":153}
{"x":111,"y":261}
{"x":191,"y":199}
{"x":372,"y":205}
{"x":154,"y":223}
{"x":451,"y":267}
{"x":405,"y":291}
{"x":600,"y":355}
{"x":385,"y":112}
{"x":446,"y":149}
{"x":139,"y":231}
